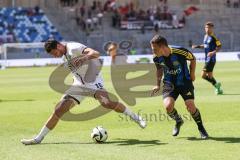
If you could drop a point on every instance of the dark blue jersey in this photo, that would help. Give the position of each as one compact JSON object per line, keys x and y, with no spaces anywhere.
{"x":175,"y":66}
{"x":210,"y":44}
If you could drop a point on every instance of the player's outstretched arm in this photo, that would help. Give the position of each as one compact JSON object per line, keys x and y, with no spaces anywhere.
{"x":198,"y":46}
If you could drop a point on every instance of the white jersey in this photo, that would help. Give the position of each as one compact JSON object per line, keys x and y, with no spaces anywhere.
{"x":86,"y":73}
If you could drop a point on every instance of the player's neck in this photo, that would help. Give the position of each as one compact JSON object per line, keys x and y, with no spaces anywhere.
{"x":210,"y":34}
{"x":167,"y":52}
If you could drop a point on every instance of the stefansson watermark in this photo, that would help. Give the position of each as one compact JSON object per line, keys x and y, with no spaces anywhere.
{"x":158,"y":116}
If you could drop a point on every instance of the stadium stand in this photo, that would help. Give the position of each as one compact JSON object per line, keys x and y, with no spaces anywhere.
{"x":26,"y":25}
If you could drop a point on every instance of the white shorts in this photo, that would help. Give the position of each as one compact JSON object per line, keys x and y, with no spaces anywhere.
{"x":79,"y":91}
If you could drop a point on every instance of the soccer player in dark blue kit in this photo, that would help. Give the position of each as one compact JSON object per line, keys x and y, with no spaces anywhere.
{"x":172,"y":63}
{"x":211,"y":46}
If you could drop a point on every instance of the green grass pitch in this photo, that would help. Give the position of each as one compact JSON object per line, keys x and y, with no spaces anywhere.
{"x":26,"y":101}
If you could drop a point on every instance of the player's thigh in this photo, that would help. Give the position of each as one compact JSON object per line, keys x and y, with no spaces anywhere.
{"x":209,"y":66}
{"x":187,"y":91}
{"x":74,"y":92}
{"x":101,"y":93}
{"x":168,"y":103}
{"x":169,"y":90}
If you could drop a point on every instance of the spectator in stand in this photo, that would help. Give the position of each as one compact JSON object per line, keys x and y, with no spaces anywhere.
{"x":236,"y":4}
{"x":175,"y":22}
{"x":89,"y":24}
{"x":228,"y":3}
{"x":156,"y":28}
{"x":36,"y":10}
{"x":89,"y":13}
{"x":82,"y":10}
{"x":94,"y":6}
{"x":182,"y":21}
{"x":100,"y":16}
{"x":95,"y":22}
{"x":116,"y":19}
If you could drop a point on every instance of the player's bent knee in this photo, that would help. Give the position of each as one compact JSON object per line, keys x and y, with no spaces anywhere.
{"x":107,"y":104}
{"x":102,"y":97}
{"x":204,"y":76}
{"x":169,"y":105}
{"x":169,"y":108}
{"x":190,"y":106}
{"x":210,"y":76}
{"x":99,"y":94}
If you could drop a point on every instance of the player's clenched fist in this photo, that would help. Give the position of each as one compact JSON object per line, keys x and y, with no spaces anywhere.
{"x":155,"y":90}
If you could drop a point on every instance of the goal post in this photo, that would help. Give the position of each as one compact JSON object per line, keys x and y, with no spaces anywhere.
{"x":10,"y":51}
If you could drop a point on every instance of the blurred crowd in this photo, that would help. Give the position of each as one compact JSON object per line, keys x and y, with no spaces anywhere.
{"x":90,"y":17}
{"x":155,"y":14}
{"x":233,"y":3}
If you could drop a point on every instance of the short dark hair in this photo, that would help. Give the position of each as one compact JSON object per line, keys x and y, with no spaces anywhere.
{"x":50,"y":45}
{"x":209,"y":24}
{"x":157,"y":39}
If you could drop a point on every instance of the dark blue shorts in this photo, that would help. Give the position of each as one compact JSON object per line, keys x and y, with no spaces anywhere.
{"x":186,"y":91}
{"x":209,"y":66}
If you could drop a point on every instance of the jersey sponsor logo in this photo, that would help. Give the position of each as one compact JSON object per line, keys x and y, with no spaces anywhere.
{"x":176,"y":63}
{"x":174,"y":71}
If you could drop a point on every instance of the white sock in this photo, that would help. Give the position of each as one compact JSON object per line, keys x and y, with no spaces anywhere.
{"x":131,"y":114}
{"x":44,"y":131}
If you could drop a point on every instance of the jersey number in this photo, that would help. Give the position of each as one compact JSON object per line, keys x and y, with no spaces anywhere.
{"x":99,"y":85}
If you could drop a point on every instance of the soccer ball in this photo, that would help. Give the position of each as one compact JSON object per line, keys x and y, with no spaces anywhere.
{"x":99,"y":134}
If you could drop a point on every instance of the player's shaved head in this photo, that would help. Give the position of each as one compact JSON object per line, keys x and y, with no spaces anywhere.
{"x":50,"y":45}
{"x":159,"y":40}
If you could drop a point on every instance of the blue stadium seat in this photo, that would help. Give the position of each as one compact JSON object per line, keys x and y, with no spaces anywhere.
{"x":26,"y":25}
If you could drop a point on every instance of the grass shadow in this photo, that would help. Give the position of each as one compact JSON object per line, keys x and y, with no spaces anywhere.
{"x":47,"y":143}
{"x":231,"y":94}
{"x":120,"y":142}
{"x":16,"y":100}
{"x":123,"y":142}
{"x":220,"y":139}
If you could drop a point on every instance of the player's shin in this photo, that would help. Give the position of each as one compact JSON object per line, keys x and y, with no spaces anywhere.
{"x":211,"y":80}
{"x":120,"y":108}
{"x":197,"y":118}
{"x":179,"y":122}
{"x":137,"y":118}
{"x":131,"y":114}
{"x":174,"y":115}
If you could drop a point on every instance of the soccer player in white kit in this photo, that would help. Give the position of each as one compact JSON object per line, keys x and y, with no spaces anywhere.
{"x":84,"y":65}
